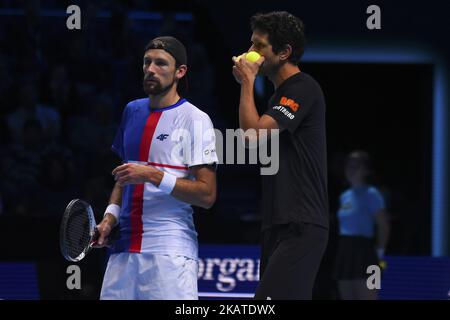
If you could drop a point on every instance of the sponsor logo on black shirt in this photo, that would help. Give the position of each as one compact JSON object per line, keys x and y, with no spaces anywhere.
{"x":284,"y":111}
{"x":289,"y":103}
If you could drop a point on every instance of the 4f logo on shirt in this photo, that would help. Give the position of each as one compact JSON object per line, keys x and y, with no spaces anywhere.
{"x":289,"y":103}
{"x":162,"y":136}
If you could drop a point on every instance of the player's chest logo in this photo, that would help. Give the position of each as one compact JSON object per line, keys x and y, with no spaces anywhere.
{"x":162,"y":136}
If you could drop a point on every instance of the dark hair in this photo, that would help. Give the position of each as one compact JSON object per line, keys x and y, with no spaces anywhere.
{"x":282,"y":28}
{"x":363,"y":158}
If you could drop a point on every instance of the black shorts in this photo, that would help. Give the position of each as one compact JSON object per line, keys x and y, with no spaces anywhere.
{"x":354,"y":255}
{"x":290,"y":259}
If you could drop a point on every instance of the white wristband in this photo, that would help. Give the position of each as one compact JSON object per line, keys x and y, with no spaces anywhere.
{"x":113,"y":209}
{"x":168,"y":182}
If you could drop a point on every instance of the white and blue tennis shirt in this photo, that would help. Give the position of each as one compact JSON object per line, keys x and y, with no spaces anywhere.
{"x":171,"y":139}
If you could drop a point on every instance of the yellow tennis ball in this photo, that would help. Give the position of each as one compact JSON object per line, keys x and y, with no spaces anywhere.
{"x":252,"y":56}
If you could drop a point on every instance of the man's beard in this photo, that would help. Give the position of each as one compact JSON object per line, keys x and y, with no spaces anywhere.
{"x":157,"y":88}
{"x":265,"y":69}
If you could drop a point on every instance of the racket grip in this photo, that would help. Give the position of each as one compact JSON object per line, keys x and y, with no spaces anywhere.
{"x":95,"y":237}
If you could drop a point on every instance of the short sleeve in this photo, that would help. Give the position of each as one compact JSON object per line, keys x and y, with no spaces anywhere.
{"x":117,"y":145}
{"x":203,"y":141}
{"x":292,"y":105}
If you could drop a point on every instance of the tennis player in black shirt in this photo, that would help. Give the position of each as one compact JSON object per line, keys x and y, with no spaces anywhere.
{"x":294,"y":200}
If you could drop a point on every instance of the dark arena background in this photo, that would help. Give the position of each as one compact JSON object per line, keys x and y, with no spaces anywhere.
{"x":62,"y":93}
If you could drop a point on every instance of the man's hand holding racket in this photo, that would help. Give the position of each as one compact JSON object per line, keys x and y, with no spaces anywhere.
{"x":104,"y":229}
{"x":79,"y":232}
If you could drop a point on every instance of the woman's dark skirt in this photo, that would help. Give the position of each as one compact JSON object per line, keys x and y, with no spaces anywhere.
{"x":354,"y":255}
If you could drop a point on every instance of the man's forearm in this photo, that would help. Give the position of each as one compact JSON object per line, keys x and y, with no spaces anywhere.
{"x":115,"y":198}
{"x":248,"y":115}
{"x":116,"y":195}
{"x":197,"y":193}
{"x":200,"y":192}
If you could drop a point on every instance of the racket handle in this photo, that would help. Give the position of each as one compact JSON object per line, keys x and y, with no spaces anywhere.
{"x":95,"y":237}
{"x":113,"y":236}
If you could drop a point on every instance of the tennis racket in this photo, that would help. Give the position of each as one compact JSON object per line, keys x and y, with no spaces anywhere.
{"x":78,"y":231}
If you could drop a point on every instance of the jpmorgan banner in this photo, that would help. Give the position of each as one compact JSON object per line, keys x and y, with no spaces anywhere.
{"x":228,"y":271}
{"x":232,"y":272}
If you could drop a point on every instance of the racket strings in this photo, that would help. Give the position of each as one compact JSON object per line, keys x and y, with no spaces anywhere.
{"x":77,"y":232}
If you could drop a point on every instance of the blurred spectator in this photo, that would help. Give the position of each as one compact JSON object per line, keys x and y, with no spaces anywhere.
{"x":57,"y":186}
{"x":28,"y":108}
{"x":60,"y":90}
{"x":21,"y":165}
{"x":95,"y":132}
{"x":363,"y":229}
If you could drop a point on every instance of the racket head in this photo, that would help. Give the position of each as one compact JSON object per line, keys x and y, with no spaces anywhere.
{"x":78,"y":230}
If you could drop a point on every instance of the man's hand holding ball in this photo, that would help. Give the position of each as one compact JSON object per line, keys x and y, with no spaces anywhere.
{"x":247,"y":71}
